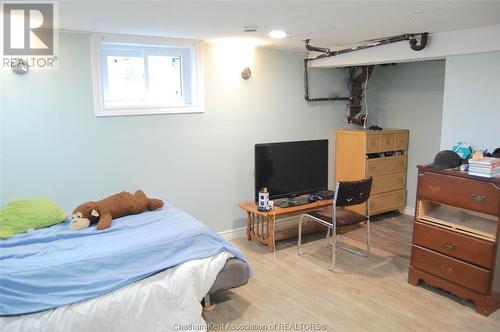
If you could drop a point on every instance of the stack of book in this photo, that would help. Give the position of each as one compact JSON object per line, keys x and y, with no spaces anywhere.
{"x":487,"y":167}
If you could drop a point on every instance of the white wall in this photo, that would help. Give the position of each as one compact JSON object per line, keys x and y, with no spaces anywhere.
{"x":410,"y":96}
{"x":471,"y":111}
{"x":53,"y":145}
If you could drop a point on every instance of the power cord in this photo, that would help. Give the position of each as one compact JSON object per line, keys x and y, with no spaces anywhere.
{"x":274,"y":229}
{"x":273,"y":233}
{"x":366,"y":97}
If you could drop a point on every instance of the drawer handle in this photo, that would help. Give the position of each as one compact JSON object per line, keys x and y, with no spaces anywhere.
{"x":478,"y":198}
{"x":449,"y":245}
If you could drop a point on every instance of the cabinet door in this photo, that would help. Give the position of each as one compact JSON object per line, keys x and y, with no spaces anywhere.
{"x":451,"y":269}
{"x":387,"y":142}
{"x":463,"y":193}
{"x":451,"y":243}
{"x":372,"y":143}
{"x":388,"y":165}
{"x":387,"y":201}
{"x":401,"y":141}
{"x":385,"y":183}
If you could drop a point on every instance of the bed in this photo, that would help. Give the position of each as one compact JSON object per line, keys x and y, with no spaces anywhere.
{"x":148,"y":272}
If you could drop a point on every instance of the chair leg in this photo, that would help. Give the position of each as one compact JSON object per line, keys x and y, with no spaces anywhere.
{"x":331,"y":240}
{"x":328,"y":242}
{"x":334,"y":246}
{"x":368,"y":237}
{"x":311,"y":258}
{"x":368,"y":243}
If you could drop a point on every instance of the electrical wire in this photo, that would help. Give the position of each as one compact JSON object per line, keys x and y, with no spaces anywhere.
{"x":273,"y":234}
{"x":347,"y":115}
{"x":366,"y":97}
{"x":274,"y":230}
{"x":349,"y":88}
{"x":274,"y":237}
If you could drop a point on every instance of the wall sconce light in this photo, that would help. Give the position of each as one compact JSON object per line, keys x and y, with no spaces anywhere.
{"x":246,"y":73}
{"x":235,"y":55}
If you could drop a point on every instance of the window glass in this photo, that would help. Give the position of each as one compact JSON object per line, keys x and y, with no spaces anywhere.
{"x":149,"y":78}
{"x":165,"y":79}
{"x":125,"y":79}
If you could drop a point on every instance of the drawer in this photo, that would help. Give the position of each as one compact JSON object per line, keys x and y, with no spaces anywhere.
{"x":401,"y":141}
{"x":388,"y":201}
{"x":387,"y":142}
{"x":453,"y":244}
{"x":388,"y":165}
{"x":468,"y":194}
{"x":385,"y":183}
{"x":451,"y":269}
{"x":372,"y":143}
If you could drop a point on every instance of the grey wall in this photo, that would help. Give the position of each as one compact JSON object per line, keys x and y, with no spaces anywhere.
{"x":53,"y":145}
{"x":471,"y":111}
{"x":410,"y":95}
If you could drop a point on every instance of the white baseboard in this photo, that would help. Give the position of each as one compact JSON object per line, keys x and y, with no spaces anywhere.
{"x":234,"y":233}
{"x":409,"y":210}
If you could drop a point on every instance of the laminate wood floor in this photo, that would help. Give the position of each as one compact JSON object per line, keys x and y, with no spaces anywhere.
{"x":362,"y":294}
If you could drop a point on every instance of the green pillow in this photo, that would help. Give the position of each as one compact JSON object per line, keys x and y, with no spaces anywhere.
{"x":21,"y":215}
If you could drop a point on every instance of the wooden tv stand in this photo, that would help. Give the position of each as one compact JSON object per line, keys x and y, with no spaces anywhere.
{"x":260,"y":224}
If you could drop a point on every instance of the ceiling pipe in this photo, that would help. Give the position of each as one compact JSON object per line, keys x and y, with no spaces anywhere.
{"x":326,"y":52}
{"x":306,"y":88}
{"x":411,"y":37}
{"x":423,"y":42}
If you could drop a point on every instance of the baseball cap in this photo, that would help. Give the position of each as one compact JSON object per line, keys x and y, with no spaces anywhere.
{"x":446,"y":159}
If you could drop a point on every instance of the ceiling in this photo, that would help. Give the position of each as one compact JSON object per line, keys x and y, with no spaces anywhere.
{"x":326,"y":23}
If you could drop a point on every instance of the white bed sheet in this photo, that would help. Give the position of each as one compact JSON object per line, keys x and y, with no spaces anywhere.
{"x":167,"y":301}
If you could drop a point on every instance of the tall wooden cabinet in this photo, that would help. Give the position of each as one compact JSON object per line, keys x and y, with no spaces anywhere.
{"x":456,"y":236}
{"x":381,"y":154}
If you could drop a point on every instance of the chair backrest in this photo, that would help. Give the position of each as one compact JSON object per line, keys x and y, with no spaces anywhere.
{"x":353,"y":192}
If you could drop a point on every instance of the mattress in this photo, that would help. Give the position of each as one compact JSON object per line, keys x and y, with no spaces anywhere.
{"x":55,"y":266}
{"x":167,"y":301}
{"x":235,"y":273}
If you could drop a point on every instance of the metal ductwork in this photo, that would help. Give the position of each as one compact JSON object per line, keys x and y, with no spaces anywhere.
{"x":306,"y":88}
{"x":411,"y":37}
{"x":355,"y":82}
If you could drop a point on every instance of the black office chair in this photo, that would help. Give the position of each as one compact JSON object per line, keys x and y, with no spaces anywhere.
{"x":347,"y":193}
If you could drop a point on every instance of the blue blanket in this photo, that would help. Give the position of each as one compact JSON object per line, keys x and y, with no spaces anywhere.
{"x":55,"y":266}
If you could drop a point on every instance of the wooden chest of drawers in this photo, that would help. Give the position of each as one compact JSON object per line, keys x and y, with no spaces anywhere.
{"x":455,"y":236}
{"x":466,"y":248}
{"x":352,"y":149}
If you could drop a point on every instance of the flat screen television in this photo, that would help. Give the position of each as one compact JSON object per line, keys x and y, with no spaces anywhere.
{"x":290,"y":169}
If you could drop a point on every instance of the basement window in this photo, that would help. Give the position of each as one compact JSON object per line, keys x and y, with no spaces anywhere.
{"x":143,"y":75}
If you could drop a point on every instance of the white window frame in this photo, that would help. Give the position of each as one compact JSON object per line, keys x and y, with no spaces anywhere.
{"x":197,"y":89}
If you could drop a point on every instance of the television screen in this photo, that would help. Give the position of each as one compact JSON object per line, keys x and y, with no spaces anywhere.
{"x":291,"y":168}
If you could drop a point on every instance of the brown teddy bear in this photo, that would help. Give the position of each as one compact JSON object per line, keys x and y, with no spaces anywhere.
{"x":119,"y":205}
